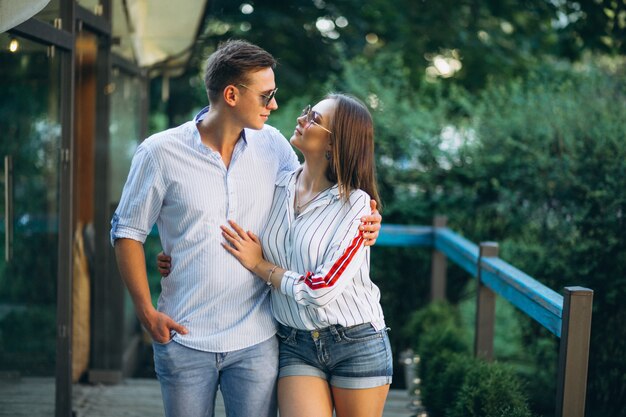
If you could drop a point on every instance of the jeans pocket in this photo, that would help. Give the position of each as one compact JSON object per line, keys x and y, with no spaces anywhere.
{"x":154,"y":342}
{"x":361,"y":333}
{"x":286,"y":335}
{"x":172,"y":334}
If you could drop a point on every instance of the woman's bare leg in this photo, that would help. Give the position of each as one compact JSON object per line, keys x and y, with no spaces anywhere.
{"x":368,"y":402}
{"x":304,"y":396}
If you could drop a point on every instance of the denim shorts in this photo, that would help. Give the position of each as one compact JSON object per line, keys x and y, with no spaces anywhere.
{"x":355,"y":357}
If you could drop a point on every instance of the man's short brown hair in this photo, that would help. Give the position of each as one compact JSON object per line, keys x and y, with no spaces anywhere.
{"x":231,"y":63}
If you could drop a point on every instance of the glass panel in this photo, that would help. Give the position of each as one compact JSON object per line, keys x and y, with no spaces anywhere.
{"x":31,"y":137}
{"x":85,"y":126}
{"x":91,"y":5}
{"x":85,"y":99}
{"x":51,"y":12}
{"x":122,"y":32}
{"x":125,"y":131}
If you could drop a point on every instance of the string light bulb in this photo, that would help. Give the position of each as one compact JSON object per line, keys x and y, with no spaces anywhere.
{"x":14,"y":45}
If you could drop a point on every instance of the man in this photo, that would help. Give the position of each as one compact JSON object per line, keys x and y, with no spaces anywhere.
{"x":213,"y":326}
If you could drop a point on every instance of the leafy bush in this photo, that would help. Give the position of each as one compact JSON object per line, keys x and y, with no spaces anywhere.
{"x":436,"y":325}
{"x":489,"y":390}
{"x":436,"y":334}
{"x":436,"y":349}
{"x":453,"y":382}
{"x":533,"y":356}
{"x":446,"y":376}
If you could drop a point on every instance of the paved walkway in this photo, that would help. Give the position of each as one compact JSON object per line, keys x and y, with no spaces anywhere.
{"x":34,"y":397}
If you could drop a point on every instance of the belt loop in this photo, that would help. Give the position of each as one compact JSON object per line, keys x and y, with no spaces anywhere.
{"x":335,"y":333}
{"x":292,"y":335}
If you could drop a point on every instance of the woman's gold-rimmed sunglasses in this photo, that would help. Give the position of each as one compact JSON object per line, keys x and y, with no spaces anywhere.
{"x":312,"y":117}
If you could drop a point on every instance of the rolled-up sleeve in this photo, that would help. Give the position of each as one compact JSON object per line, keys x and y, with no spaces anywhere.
{"x":141,"y":201}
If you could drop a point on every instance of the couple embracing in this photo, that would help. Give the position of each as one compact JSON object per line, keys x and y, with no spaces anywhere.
{"x":259,"y":245}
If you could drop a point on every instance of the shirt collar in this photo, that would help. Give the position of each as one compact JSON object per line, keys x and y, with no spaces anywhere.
{"x":289,"y":181}
{"x":286,"y":179}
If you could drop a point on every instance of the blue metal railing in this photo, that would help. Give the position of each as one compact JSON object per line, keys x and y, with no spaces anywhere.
{"x":526,"y":293}
{"x":568,"y":318}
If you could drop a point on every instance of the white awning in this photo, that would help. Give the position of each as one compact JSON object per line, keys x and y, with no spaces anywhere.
{"x":14,"y":12}
{"x":157,"y":32}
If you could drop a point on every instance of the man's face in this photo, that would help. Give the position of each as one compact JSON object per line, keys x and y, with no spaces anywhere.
{"x":254,"y":108}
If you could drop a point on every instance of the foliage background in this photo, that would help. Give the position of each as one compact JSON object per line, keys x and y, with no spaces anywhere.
{"x":523,"y":144}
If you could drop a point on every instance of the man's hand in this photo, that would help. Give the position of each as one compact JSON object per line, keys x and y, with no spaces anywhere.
{"x":370,"y":225}
{"x":164,"y":264}
{"x":131,"y":262}
{"x":161,"y":326}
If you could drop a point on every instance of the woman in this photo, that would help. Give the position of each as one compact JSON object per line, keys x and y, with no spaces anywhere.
{"x":334,"y":347}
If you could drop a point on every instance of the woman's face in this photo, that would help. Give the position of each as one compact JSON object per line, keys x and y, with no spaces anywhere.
{"x":312,"y":134}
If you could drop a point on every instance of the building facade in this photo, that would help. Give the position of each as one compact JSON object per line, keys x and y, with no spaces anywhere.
{"x":73,"y":107}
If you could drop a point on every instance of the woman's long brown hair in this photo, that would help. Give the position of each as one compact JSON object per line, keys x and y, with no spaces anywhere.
{"x":352,"y":163}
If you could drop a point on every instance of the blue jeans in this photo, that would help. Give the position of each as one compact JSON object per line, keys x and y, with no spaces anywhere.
{"x":355,"y":357}
{"x":190,"y":378}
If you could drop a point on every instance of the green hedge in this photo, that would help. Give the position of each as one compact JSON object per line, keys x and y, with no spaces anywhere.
{"x":489,"y":390}
{"x":547,"y":181}
{"x":454,"y":383}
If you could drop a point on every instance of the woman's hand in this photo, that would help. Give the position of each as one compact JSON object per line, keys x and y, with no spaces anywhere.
{"x":245,"y":246}
{"x":370,"y":225}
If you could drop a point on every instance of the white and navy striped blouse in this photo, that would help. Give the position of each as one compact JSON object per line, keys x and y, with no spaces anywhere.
{"x":184,"y":187}
{"x":327,"y":280}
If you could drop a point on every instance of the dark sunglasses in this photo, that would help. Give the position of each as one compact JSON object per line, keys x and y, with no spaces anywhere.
{"x":267,"y":98}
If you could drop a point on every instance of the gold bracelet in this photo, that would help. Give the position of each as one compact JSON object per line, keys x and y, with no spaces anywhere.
{"x":269,"y":279}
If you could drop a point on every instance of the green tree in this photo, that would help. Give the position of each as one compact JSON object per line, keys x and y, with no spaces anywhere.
{"x":546,"y":180}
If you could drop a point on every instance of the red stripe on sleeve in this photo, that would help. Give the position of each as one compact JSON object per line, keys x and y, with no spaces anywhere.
{"x":337,"y":269}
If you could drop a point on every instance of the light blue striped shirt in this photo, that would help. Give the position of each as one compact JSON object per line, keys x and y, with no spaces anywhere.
{"x":184,"y":187}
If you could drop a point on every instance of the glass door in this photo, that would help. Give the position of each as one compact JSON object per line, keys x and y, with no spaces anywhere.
{"x":30,"y":142}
